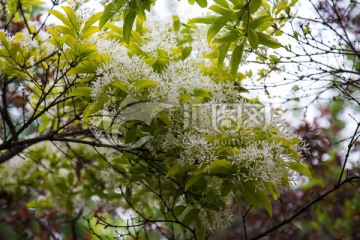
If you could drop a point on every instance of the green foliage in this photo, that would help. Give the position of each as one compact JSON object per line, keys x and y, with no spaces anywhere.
{"x":236,"y":21}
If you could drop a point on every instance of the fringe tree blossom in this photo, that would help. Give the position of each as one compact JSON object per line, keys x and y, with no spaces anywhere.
{"x":209,"y":132}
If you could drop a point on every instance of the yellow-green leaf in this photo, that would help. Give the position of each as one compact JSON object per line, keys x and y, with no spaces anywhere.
{"x":202,"y":3}
{"x":253,"y":38}
{"x":202,"y":93}
{"x":259,"y":21}
{"x":300,"y":168}
{"x":73,"y":19}
{"x":192,"y":180}
{"x":220,"y":166}
{"x":205,"y":20}
{"x":95,"y":106}
{"x":4,"y":40}
{"x":109,"y":11}
{"x":236,"y":58}
{"x":222,"y":3}
{"x":93,"y":19}
{"x":267,"y":40}
{"x":272,"y":189}
{"x":82,"y":68}
{"x":221,"y":10}
{"x":118,"y":84}
{"x":264,"y":201}
{"x":61,"y":17}
{"x":89,"y":31}
{"x":223,"y":48}
{"x":231,"y":36}
{"x":254,"y":5}
{"x":176,"y":23}
{"x":141,"y":84}
{"x":215,"y":27}
{"x":173,"y":171}
{"x":128,"y":23}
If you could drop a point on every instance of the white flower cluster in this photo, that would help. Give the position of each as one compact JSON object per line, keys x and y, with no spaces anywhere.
{"x":183,"y":77}
{"x":180,"y":78}
{"x":177,"y":78}
{"x":158,"y":37}
{"x":27,"y":42}
{"x":24,"y":39}
{"x":14,"y":171}
{"x":252,"y":147}
{"x":262,"y":163}
{"x":120,"y":66}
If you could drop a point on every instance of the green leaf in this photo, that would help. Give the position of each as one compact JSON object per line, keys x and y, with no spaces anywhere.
{"x":220,"y":166}
{"x":266,"y":40}
{"x":221,"y":10}
{"x":292,"y":3}
{"x":110,"y":11}
{"x":93,"y":19}
{"x":260,"y":20}
{"x":231,"y":36}
{"x":66,"y":30}
{"x":135,"y":48}
{"x":223,"y":48}
{"x":176,"y":23}
{"x":296,"y":35}
{"x":89,"y":31}
{"x":192,"y":180}
{"x":295,"y":140}
{"x":253,"y":38}
{"x":264,"y":201}
{"x":177,"y":169}
{"x":185,"y":52}
{"x":95,"y":106}
{"x":61,"y":17}
{"x":202,"y":93}
{"x":255,"y":196}
{"x":174,"y":170}
{"x":179,"y":209}
{"x":128,"y":23}
{"x":236,"y":58}
{"x":141,"y":84}
{"x":205,"y":20}
{"x":215,"y":27}
{"x":4,"y":40}
{"x":222,"y":3}
{"x":272,"y":189}
{"x":202,"y":3}
{"x":201,"y":170}
{"x":189,"y":215}
{"x":82,"y":68}
{"x":73,"y":19}
{"x":254,"y":5}
{"x":130,"y":135}
{"x":165,"y":118}
{"x":300,"y":168}
{"x":70,"y":41}
{"x":200,"y":232}
{"x":81,"y":92}
{"x":119,"y":85}
{"x":85,"y":51}
{"x":237,"y":2}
